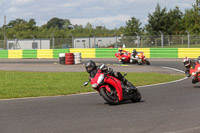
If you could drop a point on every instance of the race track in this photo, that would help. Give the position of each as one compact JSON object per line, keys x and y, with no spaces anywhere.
{"x":168,"y":108}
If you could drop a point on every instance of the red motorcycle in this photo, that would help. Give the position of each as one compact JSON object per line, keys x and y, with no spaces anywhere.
{"x":196,"y":72}
{"x":123,"y":57}
{"x":139,"y":59}
{"x":112,"y":89}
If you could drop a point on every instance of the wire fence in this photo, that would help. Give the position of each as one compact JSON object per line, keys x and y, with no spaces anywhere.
{"x":162,"y":41}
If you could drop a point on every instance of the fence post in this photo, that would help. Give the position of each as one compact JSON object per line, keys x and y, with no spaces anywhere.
{"x":188,"y":38}
{"x":161,"y":39}
{"x":115,"y":40}
{"x":72,"y":40}
{"x":94,"y":40}
{"x":138,"y":40}
{"x":53,"y":41}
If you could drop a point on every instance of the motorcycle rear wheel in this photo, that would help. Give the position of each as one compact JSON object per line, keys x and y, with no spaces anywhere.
{"x":147,"y":62}
{"x":111,"y":98}
{"x":136,"y":96}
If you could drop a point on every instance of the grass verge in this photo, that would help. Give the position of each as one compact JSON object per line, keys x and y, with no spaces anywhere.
{"x":16,"y":84}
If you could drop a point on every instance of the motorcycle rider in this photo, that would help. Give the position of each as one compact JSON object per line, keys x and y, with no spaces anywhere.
{"x":120,"y":53}
{"x":134,"y":53}
{"x":92,"y":69}
{"x":133,"y":56}
{"x":189,"y":64}
{"x":198,"y":60}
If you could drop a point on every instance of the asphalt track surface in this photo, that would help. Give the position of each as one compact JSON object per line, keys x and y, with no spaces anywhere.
{"x":166,"y":108}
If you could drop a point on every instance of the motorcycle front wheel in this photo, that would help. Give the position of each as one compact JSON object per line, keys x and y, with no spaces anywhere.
{"x":147,"y":62}
{"x":110,"y":97}
{"x":136,"y":96}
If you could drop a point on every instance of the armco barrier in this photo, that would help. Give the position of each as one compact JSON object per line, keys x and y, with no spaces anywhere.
{"x":101,"y":52}
{"x":189,"y":52}
{"x":85,"y":53}
{"x":106,"y":52}
{"x":163,"y":52}
{"x":45,"y":53}
{"x":14,"y":53}
{"x":3,"y":54}
{"x":29,"y":53}
{"x":56,"y":52}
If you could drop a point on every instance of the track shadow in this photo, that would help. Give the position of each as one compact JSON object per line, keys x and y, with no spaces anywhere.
{"x":197,"y":87}
{"x":125,"y":102}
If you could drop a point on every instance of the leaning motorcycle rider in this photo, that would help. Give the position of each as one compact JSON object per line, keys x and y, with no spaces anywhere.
{"x":120,"y":53}
{"x":133,"y":56}
{"x":134,"y":53}
{"x":92,"y":69}
{"x":189,"y":64}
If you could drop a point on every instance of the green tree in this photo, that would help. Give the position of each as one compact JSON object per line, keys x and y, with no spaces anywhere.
{"x":60,"y":23}
{"x":174,"y":23}
{"x":12,"y":23}
{"x":133,"y":26}
{"x":191,"y":20}
{"x":88,"y":26}
{"x":157,"y":21}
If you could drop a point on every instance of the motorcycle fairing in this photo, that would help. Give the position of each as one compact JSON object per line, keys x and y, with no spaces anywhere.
{"x":116,"y":84}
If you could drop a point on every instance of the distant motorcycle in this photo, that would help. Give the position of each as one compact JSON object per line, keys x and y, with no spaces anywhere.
{"x":139,"y":59}
{"x":112,"y":89}
{"x":196,"y":72}
{"x":123,"y":57}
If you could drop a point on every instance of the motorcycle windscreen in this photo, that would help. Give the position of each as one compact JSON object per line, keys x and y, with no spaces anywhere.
{"x":95,"y":79}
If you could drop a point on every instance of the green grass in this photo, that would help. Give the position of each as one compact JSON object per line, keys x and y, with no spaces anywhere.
{"x":16,"y":84}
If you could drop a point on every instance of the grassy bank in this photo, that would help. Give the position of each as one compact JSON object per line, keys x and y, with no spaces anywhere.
{"x":14,"y":84}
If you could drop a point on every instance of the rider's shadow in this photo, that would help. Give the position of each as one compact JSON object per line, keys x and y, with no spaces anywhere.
{"x":126,"y":102}
{"x":196,"y":87}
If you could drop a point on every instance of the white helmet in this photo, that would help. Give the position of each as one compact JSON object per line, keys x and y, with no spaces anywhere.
{"x":186,"y":62}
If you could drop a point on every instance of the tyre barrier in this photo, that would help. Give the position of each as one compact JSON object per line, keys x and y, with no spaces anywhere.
{"x":69,"y":58}
{"x":77,"y":58}
{"x":62,"y":58}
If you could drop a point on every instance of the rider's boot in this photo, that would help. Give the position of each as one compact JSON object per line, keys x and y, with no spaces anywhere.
{"x":130,"y":86}
{"x":194,"y":81}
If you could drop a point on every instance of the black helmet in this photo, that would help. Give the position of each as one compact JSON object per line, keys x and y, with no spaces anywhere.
{"x":90,"y":65}
{"x":198,"y":59}
{"x":120,"y":51}
{"x":134,"y":51}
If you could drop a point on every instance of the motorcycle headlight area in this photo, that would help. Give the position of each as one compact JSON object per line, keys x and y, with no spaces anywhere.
{"x":94,"y":85}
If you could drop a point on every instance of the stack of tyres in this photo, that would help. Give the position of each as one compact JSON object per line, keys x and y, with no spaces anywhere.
{"x":77,"y":58}
{"x":69,"y":58}
{"x":62,"y":58}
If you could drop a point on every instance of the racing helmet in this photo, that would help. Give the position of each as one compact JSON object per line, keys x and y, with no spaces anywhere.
{"x":120,"y":51}
{"x":134,"y":51}
{"x":186,"y":62}
{"x":90,"y":65}
{"x":198,"y":59}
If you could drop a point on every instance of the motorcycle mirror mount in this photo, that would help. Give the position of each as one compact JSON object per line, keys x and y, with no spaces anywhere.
{"x":125,"y":74}
{"x":86,"y":83}
{"x":102,"y":66}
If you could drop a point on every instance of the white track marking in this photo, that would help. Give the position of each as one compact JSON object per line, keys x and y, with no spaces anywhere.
{"x":166,"y":82}
{"x":162,"y":83}
{"x":186,"y":130}
{"x":174,"y":69}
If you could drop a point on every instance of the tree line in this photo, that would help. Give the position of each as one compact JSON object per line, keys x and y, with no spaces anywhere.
{"x":172,"y":22}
